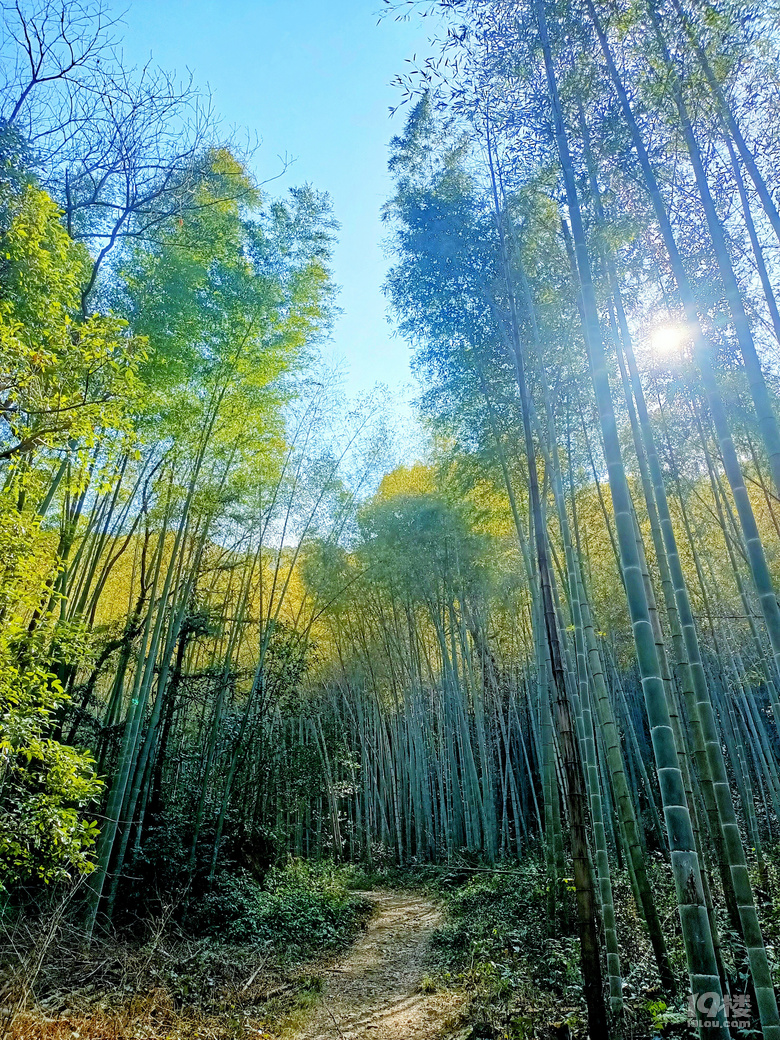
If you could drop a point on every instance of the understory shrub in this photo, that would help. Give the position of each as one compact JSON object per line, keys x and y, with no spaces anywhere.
{"x":500,"y":920}
{"x":298,"y":909}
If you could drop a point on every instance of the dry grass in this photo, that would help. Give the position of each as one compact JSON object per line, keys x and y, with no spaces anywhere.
{"x":55,"y":986}
{"x":152,"y":1016}
{"x":134,"y":1025}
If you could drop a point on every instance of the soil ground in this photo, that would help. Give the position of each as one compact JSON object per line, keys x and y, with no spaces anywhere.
{"x":374,"y":988}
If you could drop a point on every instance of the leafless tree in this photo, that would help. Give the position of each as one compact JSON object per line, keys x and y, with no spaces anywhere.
{"x":118,"y":147}
{"x":50,"y":47}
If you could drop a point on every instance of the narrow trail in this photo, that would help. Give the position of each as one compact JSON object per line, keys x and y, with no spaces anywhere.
{"x":373,"y":990}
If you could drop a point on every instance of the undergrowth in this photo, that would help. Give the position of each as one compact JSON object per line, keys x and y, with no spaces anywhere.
{"x":522,"y":969}
{"x":496,"y":943}
{"x":230,"y":963}
{"x":226,"y":965}
{"x":299,"y":909}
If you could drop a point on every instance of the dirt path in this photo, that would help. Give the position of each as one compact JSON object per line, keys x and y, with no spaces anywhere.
{"x":374,"y":989}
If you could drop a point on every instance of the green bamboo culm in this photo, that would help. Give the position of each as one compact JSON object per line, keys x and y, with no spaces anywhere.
{"x":700,"y":953}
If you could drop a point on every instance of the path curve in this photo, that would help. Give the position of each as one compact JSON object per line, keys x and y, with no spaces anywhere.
{"x":373,"y":990}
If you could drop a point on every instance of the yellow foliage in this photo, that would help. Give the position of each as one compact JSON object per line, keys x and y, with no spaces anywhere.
{"x":418,"y":479}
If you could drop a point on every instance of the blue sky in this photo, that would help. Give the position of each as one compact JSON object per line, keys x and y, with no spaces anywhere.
{"x":312,"y":79}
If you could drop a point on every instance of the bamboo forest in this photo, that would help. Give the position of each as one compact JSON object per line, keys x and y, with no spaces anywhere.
{"x":329,"y":713}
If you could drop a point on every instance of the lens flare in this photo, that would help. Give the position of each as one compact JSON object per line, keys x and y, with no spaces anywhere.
{"x":668,"y":339}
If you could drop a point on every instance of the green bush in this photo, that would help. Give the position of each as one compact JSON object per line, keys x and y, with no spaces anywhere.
{"x":300,"y":908}
{"x":500,"y":920}
{"x":46,"y":788}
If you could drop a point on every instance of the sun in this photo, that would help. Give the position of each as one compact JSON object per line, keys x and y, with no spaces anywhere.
{"x":668,"y":339}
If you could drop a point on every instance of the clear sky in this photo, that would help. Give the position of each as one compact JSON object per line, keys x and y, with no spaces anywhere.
{"x":312,"y":79}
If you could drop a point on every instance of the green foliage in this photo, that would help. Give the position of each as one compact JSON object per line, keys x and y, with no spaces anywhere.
{"x":66,"y":380}
{"x":300,"y":909}
{"x":498,"y":933}
{"x":420,"y":545}
{"x":45,"y":786}
{"x":64,"y":377}
{"x":230,"y":297}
